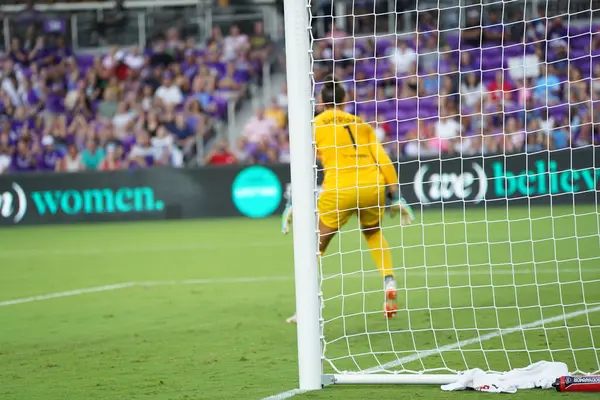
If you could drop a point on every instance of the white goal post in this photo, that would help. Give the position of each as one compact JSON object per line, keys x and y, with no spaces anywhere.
{"x":490,"y":109}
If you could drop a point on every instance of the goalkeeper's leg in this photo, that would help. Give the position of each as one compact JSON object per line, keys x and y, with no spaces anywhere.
{"x":382,"y":256}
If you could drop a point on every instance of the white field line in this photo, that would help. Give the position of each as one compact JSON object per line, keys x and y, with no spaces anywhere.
{"x":249,"y":279}
{"x":285,"y":395}
{"x":124,"y":285}
{"x":67,"y":294}
{"x":463,"y":343}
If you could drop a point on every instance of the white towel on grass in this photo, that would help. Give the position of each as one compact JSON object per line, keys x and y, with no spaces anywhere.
{"x":542,"y":375}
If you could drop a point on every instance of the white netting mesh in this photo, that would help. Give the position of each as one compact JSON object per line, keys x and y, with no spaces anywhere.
{"x":491,"y":110}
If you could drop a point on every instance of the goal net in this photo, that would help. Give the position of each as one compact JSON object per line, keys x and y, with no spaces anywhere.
{"x":491,"y":110}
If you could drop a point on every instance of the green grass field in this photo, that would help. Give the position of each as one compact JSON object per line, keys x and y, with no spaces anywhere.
{"x":199,"y":307}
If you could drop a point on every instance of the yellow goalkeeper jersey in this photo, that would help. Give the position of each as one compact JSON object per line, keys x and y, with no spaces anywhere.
{"x":351,"y":155}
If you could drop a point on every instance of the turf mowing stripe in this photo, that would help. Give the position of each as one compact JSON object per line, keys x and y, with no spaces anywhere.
{"x":256,"y":279}
{"x":20,"y":253}
{"x":427,"y":353}
{"x":285,"y":395}
{"x":67,"y":294}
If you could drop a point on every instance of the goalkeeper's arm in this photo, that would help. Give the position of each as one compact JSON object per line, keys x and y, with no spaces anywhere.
{"x":286,"y":217}
{"x":397,"y":204}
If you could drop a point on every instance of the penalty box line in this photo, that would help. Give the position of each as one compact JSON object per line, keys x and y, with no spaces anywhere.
{"x":480,"y":339}
{"x":428,"y":353}
{"x":256,"y":279}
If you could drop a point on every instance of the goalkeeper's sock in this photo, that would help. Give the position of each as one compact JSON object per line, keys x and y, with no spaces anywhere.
{"x":380,"y":252}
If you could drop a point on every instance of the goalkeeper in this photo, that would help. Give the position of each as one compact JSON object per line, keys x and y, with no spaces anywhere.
{"x":357,"y":172}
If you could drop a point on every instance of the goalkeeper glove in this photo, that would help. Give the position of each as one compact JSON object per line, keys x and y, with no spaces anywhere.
{"x":399,"y":206}
{"x":286,"y":220}
{"x":286,"y":217}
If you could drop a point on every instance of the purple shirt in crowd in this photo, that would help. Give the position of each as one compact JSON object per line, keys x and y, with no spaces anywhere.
{"x":49,"y":159}
{"x":26,"y":163}
{"x":56,"y":96}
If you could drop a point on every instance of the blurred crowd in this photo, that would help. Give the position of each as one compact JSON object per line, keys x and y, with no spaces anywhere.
{"x":504,"y":84}
{"x":126,"y":108}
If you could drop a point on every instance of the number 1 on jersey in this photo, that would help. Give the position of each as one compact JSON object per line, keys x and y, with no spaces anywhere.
{"x":347,"y":127}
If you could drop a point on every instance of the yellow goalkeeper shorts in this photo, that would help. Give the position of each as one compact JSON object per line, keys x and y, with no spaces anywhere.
{"x":336,"y":206}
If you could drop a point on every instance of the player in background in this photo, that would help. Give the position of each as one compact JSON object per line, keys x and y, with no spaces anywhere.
{"x":358,"y":174}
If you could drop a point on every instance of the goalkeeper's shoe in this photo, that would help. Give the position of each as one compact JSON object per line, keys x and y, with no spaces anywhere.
{"x":400,"y":206}
{"x":286,"y":219}
{"x":292,"y":319}
{"x":391,"y":306}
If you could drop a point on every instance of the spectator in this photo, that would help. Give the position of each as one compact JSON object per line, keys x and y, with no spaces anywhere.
{"x":9,"y":86}
{"x":168,"y":93}
{"x":515,"y":137}
{"x":234,"y":44}
{"x":147,"y":97}
{"x":260,"y":43}
{"x":382,"y":128}
{"x":51,"y":158}
{"x":498,"y":88}
{"x":578,"y":87}
{"x":229,"y":83}
{"x":220,"y":155}
{"x":73,"y":159}
{"x":494,"y":32}
{"x":403,"y":57}
{"x":108,"y":107}
{"x":524,"y":92}
{"x":202,"y":92}
{"x":114,"y":158}
{"x":560,"y":135}
{"x":547,"y":87}
{"x":471,"y":90}
{"x":174,"y":44}
{"x":446,"y":131}
{"x":429,"y":54}
{"x":282,"y":98}
{"x":467,"y":64}
{"x":17,"y":54}
{"x":284,"y":149}
{"x":534,"y":143}
{"x":557,"y":32}
{"x":41,"y":55}
{"x":583,"y":130}
{"x":471,"y":34}
{"x":133,"y":59}
{"x":142,"y":153}
{"x":214,"y":43}
{"x":259,"y":128}
{"x":159,"y":56}
{"x":6,"y":151}
{"x":411,"y":85}
{"x":277,"y":115}
{"x":180,"y":129}
{"x":516,"y":27}
{"x":241,"y":152}
{"x":62,"y":52}
{"x":546,"y":121}
{"x":92,"y":155}
{"x":596,"y":83}
{"x":165,"y":151}
{"x":123,"y":118}
{"x":24,"y":159}
{"x":264,"y":154}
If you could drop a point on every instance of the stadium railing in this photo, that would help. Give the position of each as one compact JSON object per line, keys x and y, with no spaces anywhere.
{"x":146,"y":19}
